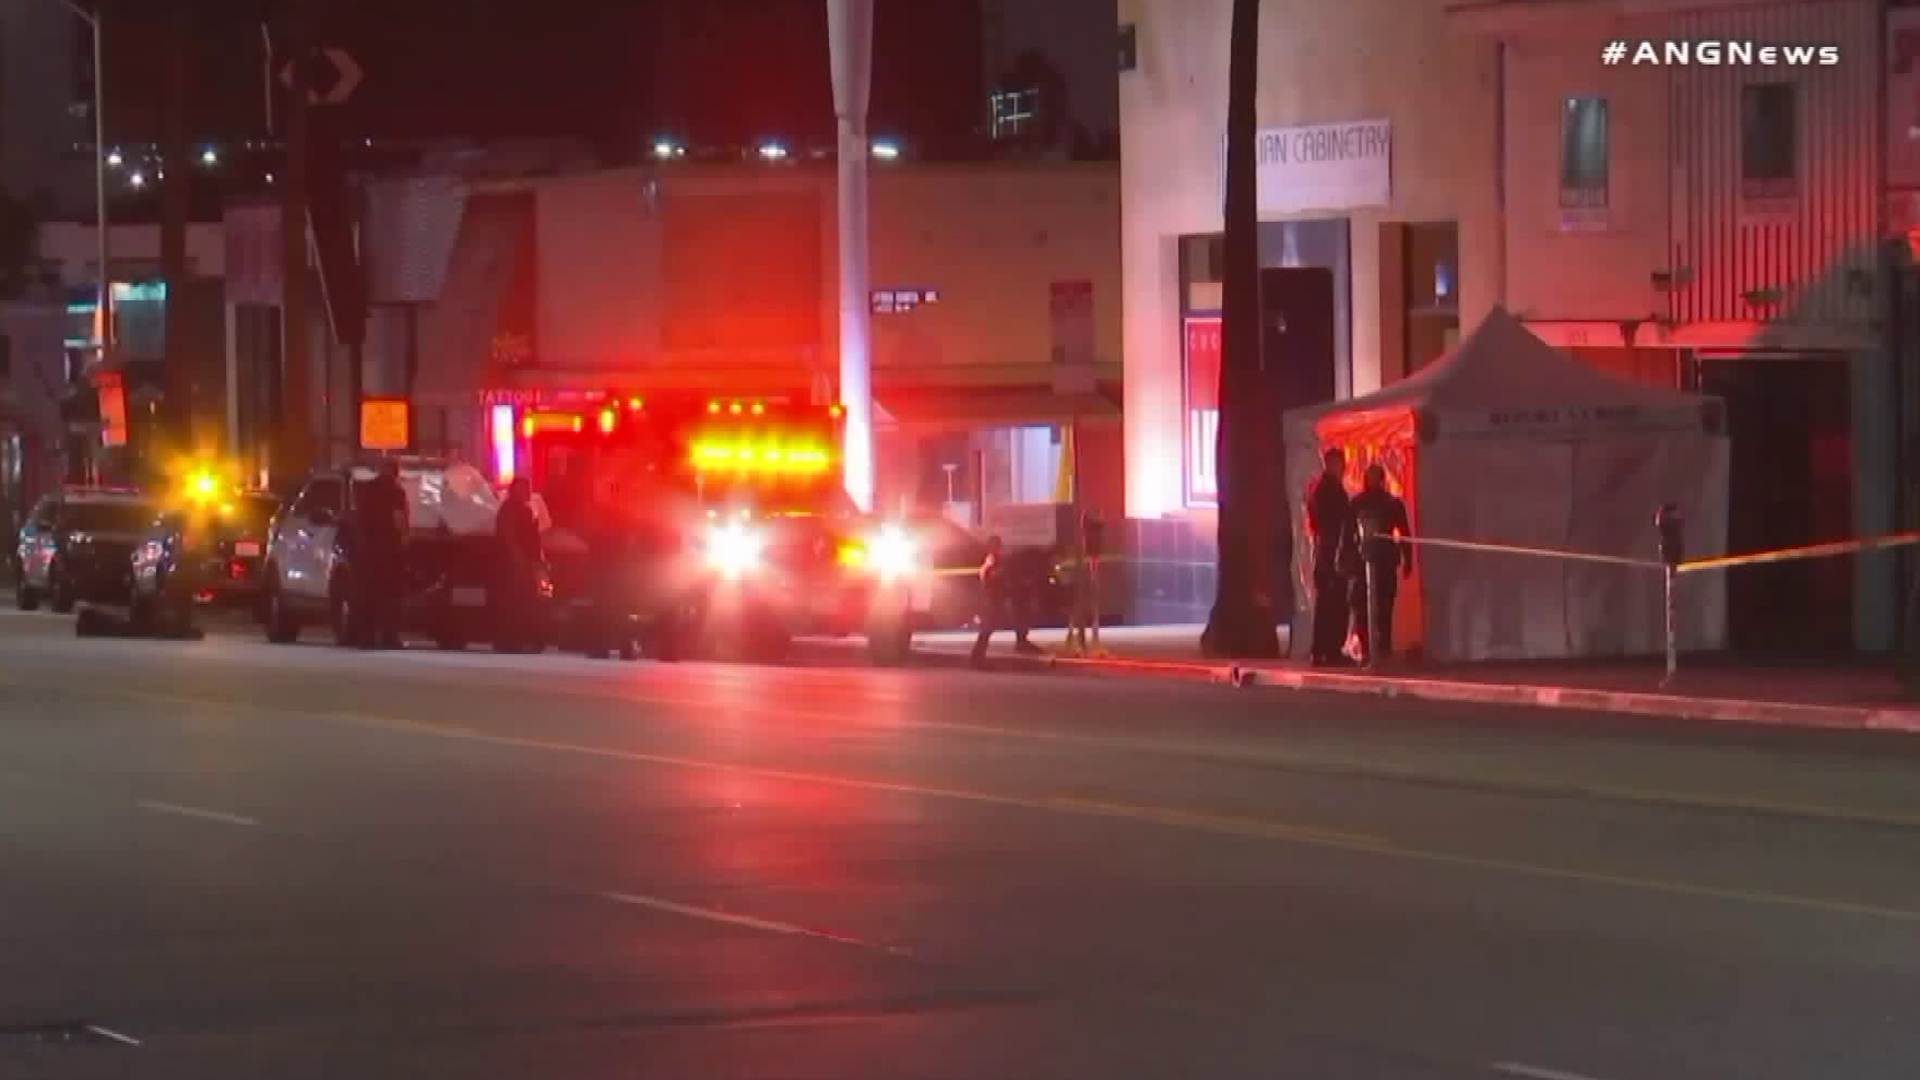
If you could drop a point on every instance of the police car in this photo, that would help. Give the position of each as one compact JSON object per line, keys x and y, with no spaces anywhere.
{"x":77,"y":547}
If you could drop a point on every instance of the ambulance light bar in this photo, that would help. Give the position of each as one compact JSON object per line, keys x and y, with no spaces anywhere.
{"x":801,"y":461}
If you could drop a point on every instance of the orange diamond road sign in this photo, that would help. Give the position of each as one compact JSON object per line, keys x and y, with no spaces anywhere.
{"x":385,"y":423}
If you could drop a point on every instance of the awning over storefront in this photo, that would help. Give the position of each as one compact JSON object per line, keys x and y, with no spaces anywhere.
{"x":958,"y":407}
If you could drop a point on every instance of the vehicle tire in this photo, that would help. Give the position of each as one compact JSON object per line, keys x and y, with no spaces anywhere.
{"x":26,"y":597}
{"x":282,"y":627}
{"x":771,"y":644}
{"x":174,"y":617}
{"x":451,"y":643}
{"x":63,"y":598}
{"x":89,"y":623}
{"x":890,"y":646}
{"x":629,"y":650}
{"x":663,"y":643}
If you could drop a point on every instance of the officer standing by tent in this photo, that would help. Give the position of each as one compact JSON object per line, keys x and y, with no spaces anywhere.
{"x":1378,"y":517}
{"x":1329,"y":518}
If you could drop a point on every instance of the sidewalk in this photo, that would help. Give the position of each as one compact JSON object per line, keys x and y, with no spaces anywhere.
{"x":1847,"y":694}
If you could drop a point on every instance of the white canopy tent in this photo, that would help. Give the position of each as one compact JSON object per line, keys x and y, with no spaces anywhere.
{"x":1507,"y":440}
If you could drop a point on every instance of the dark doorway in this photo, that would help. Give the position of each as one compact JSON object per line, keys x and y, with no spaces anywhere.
{"x":1792,"y":484}
{"x":1299,"y":346}
{"x":1297,"y":342}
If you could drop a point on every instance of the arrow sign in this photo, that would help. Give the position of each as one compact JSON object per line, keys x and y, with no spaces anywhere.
{"x":330,"y":75}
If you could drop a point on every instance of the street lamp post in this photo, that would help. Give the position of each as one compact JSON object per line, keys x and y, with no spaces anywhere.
{"x":850,"y":33}
{"x":104,"y":308}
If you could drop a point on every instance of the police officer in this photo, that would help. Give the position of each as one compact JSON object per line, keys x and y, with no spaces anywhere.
{"x":1329,"y":518}
{"x":517,"y":533}
{"x":1086,"y":586}
{"x":996,"y":590}
{"x":1383,"y":516}
{"x":1033,"y":568}
{"x":383,"y":521}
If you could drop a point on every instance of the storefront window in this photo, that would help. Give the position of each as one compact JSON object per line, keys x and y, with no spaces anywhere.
{"x":1202,"y":419}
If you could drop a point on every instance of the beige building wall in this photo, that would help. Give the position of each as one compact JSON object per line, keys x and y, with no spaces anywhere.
{"x":75,"y":252}
{"x":1321,"y":63}
{"x":1566,"y":267}
{"x":631,"y":263}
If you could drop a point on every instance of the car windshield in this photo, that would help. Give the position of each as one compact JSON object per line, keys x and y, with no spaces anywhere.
{"x":107,"y":516}
{"x":251,"y":514}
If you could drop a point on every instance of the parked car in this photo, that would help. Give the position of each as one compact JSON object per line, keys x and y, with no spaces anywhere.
{"x":77,"y":546}
{"x":200,"y":553}
{"x":447,"y":559}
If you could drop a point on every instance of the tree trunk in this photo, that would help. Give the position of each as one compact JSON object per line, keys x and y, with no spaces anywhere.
{"x":176,"y":202}
{"x":1242,"y":623}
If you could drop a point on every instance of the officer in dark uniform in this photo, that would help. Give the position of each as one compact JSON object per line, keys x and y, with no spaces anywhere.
{"x":1383,"y":516}
{"x":517,"y":532}
{"x":383,"y":520}
{"x":996,"y":590}
{"x":1329,"y":517}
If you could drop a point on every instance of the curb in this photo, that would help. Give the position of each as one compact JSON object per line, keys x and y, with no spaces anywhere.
{"x":1622,"y":702}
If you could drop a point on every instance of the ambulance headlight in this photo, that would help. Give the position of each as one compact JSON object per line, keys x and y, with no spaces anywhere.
{"x":892,"y":553}
{"x":734,"y":550}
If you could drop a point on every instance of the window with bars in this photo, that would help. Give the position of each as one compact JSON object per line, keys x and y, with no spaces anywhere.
{"x":1584,"y":154}
{"x":1015,"y":112}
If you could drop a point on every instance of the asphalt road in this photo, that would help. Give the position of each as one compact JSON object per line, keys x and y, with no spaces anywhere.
{"x":300,"y":862}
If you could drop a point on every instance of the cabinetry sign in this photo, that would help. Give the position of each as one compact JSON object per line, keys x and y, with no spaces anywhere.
{"x":1321,"y":167}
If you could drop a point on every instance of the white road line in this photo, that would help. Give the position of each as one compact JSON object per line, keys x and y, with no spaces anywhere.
{"x":124,"y":1040}
{"x":1534,"y":1072}
{"x":194,"y":812}
{"x":729,"y":919}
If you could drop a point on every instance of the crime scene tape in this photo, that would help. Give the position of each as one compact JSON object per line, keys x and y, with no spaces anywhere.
{"x":1694,"y":566}
{"x":1810,"y":551}
{"x":1537,"y":552}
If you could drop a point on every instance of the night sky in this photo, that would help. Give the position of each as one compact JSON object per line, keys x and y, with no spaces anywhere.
{"x":617,"y":73}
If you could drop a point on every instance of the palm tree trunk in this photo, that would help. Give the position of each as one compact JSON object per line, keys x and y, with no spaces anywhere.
{"x":1242,"y":623}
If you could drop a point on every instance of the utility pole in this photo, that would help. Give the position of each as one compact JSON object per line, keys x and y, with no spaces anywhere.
{"x":176,"y":198}
{"x":94,"y":18}
{"x":850,"y":33}
{"x":294,"y":454}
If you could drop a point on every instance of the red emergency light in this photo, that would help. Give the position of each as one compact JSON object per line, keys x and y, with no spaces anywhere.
{"x":545,"y":423}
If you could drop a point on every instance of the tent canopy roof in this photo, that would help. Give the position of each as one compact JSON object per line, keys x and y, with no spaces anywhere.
{"x":1502,"y":367}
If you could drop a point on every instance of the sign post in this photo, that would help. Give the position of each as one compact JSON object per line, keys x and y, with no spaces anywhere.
{"x":328,"y":75}
{"x":1669,"y":523}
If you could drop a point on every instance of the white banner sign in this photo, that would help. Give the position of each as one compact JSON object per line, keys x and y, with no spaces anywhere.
{"x":1024,"y":525}
{"x":1903,"y":97}
{"x":1322,"y":167}
{"x":1555,"y":422}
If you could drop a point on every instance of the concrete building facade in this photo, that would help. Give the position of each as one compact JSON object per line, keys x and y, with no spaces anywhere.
{"x":1718,"y":222}
{"x":1715,"y":222}
{"x":996,"y":300}
{"x":1378,"y":200}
